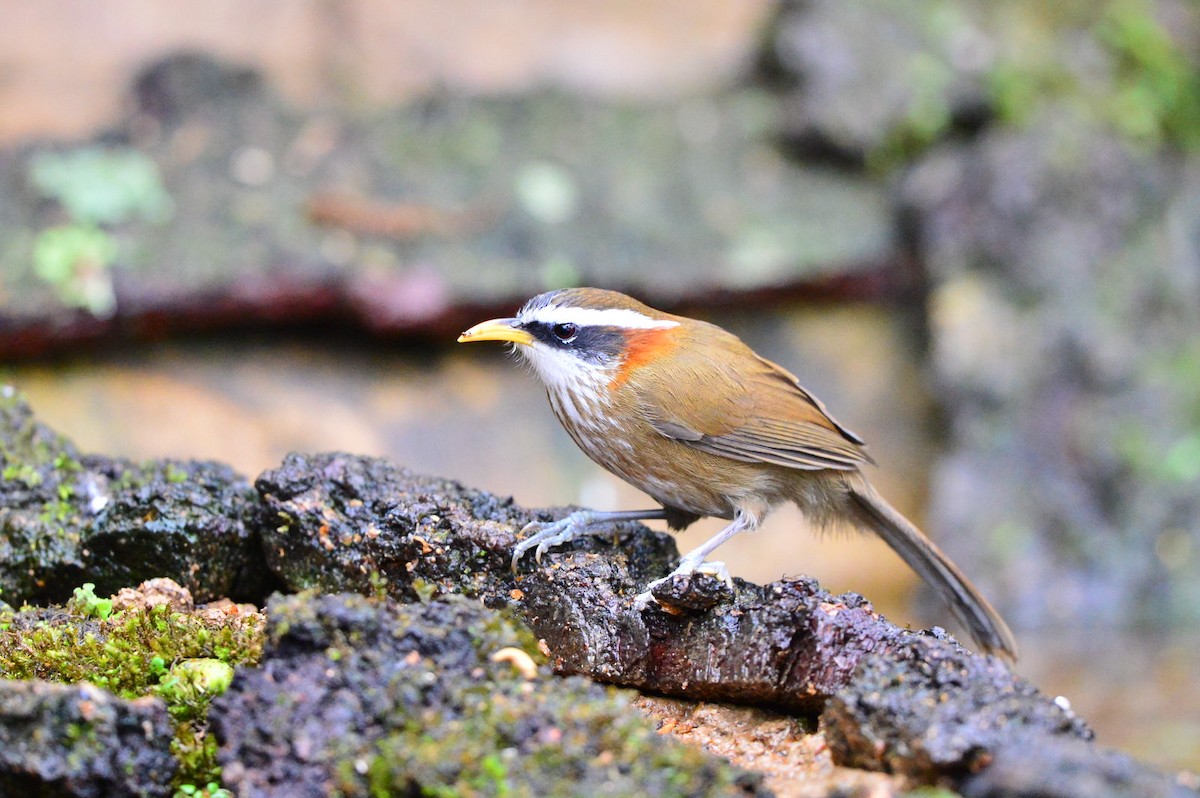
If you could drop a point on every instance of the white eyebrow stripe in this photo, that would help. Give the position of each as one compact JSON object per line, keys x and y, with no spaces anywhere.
{"x":599,"y":317}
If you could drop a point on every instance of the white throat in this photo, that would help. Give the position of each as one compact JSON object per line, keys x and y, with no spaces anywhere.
{"x":563,"y":371}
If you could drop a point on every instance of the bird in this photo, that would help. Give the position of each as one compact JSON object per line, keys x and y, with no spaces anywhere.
{"x":689,"y":414}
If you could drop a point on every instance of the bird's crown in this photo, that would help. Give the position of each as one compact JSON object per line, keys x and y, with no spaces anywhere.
{"x":593,"y":307}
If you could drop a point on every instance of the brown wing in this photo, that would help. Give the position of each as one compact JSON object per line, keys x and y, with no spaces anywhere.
{"x":741,"y":406}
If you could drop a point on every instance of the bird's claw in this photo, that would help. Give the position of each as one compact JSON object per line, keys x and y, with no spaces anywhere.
{"x":714,"y":568}
{"x":644,"y":599}
{"x":543,"y":535}
{"x":717,"y":569}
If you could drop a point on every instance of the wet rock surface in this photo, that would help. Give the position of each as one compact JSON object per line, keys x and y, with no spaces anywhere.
{"x":78,"y":741}
{"x":67,"y":517}
{"x":342,"y":522}
{"x":417,"y":219}
{"x":937,"y":714}
{"x":1065,"y":768}
{"x":319,"y":716}
{"x":932,"y":708}
{"x":361,"y":696}
{"x":337,"y":521}
{"x":1064,"y":315}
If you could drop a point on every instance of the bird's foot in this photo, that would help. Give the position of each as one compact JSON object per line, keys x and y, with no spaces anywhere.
{"x":712,"y":568}
{"x":543,"y":535}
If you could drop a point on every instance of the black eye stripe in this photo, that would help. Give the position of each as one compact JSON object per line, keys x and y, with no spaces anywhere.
{"x":591,"y":343}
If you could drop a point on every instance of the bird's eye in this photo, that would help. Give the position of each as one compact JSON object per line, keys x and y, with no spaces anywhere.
{"x":565,"y":332}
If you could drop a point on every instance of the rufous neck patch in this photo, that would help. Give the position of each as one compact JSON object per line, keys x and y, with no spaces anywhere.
{"x":641,"y":348}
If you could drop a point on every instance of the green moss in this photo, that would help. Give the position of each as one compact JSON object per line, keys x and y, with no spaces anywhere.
{"x":42,"y":460}
{"x":1165,"y":447}
{"x":97,"y":185}
{"x":1150,"y":94}
{"x":449,"y":719}
{"x":24,"y":472}
{"x":44,"y":497}
{"x":76,"y":261}
{"x":29,"y":449}
{"x":1140,"y":83}
{"x":927,"y":116}
{"x":1157,"y":96}
{"x":179,"y":657}
{"x":517,"y":739}
{"x":87,"y":604}
{"x":210,"y":790}
{"x":175,"y":474}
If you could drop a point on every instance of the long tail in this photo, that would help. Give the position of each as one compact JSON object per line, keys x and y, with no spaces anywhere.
{"x":983,"y":622}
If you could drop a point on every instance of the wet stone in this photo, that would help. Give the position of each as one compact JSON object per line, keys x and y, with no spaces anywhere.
{"x":338,"y":522}
{"x":78,"y":741}
{"x":366,"y":696}
{"x":1064,"y":322}
{"x":1066,"y":768}
{"x":66,"y":518}
{"x":694,"y":592}
{"x":410,"y":220}
{"x":344,"y":523}
{"x":332,"y":707}
{"x":856,"y":79}
{"x":931,"y":709}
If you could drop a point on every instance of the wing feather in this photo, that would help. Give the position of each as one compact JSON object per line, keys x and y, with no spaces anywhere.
{"x":747,"y":409}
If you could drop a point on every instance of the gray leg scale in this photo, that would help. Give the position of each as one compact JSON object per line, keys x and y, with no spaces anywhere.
{"x":543,"y":535}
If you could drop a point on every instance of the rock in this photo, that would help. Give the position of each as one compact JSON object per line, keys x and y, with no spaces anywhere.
{"x":182,"y":519}
{"x":44,"y":506}
{"x":336,"y":521}
{"x":1064,"y":311}
{"x":932,"y":709}
{"x":332,"y":708}
{"x":187,"y":83}
{"x":881,"y":80}
{"x":788,"y":644}
{"x":1064,"y":768}
{"x":858,"y":78}
{"x":152,"y":593}
{"x":692,"y":593}
{"x":79,"y":740}
{"x":412,"y":220}
{"x":342,"y":522}
{"x":361,"y":696}
{"x":67,"y":517}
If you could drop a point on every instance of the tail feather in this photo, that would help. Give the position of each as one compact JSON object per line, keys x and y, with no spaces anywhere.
{"x":983,"y":622}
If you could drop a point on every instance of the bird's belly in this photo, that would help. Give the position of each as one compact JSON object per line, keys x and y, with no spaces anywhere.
{"x":673,"y":473}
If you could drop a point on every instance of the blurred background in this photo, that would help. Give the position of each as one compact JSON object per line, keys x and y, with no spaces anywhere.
{"x":234,"y":229}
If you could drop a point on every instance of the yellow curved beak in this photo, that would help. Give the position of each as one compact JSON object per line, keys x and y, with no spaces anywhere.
{"x":497,"y":330}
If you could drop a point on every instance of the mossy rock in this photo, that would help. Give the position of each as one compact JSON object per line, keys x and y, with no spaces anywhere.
{"x":359,"y":696}
{"x":66,"y":518}
{"x":117,"y":699}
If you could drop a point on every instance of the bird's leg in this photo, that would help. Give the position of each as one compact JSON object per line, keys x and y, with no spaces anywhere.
{"x":693,"y":561}
{"x":579,"y":523}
